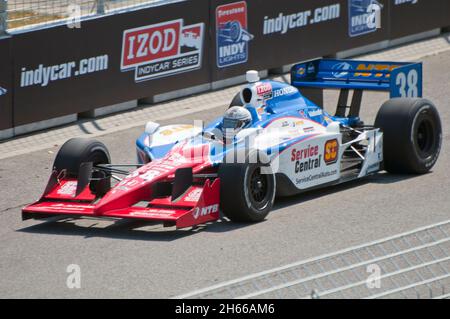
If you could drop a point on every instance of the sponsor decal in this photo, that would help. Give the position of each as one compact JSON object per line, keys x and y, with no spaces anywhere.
{"x":315,"y":113}
{"x":232,"y":34}
{"x":364,"y":16}
{"x":384,"y":69}
{"x":150,"y":175}
{"x":285,"y":124}
{"x":327,"y":119}
{"x":315,"y":177}
{"x":306,"y":159}
{"x":3,"y":91}
{"x":331,"y":151}
{"x":162,"y":49}
{"x":363,"y":70}
{"x":65,"y":206}
{"x":311,"y":68}
{"x":205,"y":211}
{"x":341,"y":70}
{"x":176,"y":129}
{"x":264,"y":90}
{"x":284,"y":91}
{"x":152,"y":212}
{"x":68,"y":189}
{"x":194,"y":195}
{"x":400,"y":2}
{"x":301,"y":71}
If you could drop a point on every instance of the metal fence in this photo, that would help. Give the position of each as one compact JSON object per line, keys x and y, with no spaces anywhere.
{"x":21,"y":14}
{"x":410,"y":265}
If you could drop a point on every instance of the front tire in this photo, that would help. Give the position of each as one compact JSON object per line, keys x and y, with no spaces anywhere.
{"x":76,"y":151}
{"x":247,"y":192}
{"x":412,"y":135}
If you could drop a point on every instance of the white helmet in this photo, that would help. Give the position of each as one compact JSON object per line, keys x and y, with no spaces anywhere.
{"x":235,"y":119}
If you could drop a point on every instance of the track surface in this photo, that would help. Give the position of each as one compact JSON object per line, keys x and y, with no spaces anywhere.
{"x":134,"y":260}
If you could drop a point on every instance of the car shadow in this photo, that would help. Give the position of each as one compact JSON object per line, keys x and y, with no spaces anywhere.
{"x":147,"y":231}
{"x":380,"y":178}
{"x":123,"y":229}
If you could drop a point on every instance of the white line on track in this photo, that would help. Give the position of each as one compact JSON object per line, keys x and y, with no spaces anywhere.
{"x":296,"y":264}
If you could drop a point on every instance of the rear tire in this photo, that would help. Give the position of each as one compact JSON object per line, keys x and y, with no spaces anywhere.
{"x":246,"y":194}
{"x":412,"y":135}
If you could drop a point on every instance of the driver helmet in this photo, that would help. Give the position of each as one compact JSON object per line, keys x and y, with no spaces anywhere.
{"x":235,"y":119}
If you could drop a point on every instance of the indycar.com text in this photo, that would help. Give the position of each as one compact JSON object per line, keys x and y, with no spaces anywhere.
{"x":286,"y":22}
{"x":43,"y":75}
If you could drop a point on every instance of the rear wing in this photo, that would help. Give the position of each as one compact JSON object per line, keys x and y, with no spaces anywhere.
{"x":400,"y":79}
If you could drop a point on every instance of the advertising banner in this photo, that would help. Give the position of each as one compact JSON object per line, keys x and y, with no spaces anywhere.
{"x":415,"y":16}
{"x":110,"y":60}
{"x":5,"y":84}
{"x":256,"y":34}
{"x":446,"y":13}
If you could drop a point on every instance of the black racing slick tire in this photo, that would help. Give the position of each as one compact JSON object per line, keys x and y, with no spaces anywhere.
{"x":76,"y":151}
{"x":247,"y":190}
{"x":412,"y":135}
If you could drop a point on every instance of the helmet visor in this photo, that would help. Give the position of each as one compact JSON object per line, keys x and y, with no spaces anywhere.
{"x":232,"y":123}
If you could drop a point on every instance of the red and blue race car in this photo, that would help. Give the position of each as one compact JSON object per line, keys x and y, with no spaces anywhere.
{"x":274,"y":140}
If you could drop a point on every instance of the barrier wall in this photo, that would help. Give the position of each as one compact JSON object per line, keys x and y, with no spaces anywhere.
{"x":410,"y":17}
{"x":6,"y":113}
{"x":112,"y":59}
{"x":288,"y":32}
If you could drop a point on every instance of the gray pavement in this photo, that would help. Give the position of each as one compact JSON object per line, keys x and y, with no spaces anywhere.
{"x":132,"y":260}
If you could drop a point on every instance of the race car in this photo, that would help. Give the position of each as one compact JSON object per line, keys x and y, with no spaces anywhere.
{"x":274,"y":140}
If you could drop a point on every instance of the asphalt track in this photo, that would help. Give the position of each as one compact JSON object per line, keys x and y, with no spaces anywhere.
{"x":133,"y":260}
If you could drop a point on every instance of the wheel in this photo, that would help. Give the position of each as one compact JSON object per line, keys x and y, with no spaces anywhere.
{"x":76,"y":151}
{"x":247,"y":191}
{"x":412,"y":135}
{"x":237,"y":101}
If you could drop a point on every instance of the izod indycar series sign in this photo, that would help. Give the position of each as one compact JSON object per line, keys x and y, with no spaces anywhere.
{"x":162,"y":49}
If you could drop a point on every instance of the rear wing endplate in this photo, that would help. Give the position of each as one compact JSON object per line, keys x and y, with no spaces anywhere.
{"x":400,"y":79}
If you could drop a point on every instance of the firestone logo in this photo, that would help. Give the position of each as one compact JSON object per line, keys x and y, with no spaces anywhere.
{"x":162,"y":49}
{"x":232,"y":34}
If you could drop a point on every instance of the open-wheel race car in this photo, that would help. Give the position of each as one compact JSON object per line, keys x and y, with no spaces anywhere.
{"x":274,"y":140}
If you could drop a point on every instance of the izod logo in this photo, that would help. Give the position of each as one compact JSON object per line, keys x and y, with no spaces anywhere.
{"x":331,"y":151}
{"x":162,"y":49}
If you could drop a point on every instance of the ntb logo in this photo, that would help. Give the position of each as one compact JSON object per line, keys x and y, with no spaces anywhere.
{"x":162,"y":49}
{"x":232,"y":34}
{"x":364,"y":16}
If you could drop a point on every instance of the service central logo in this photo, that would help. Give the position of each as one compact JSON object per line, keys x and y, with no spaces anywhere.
{"x":162,"y":49}
{"x":232,"y":35}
